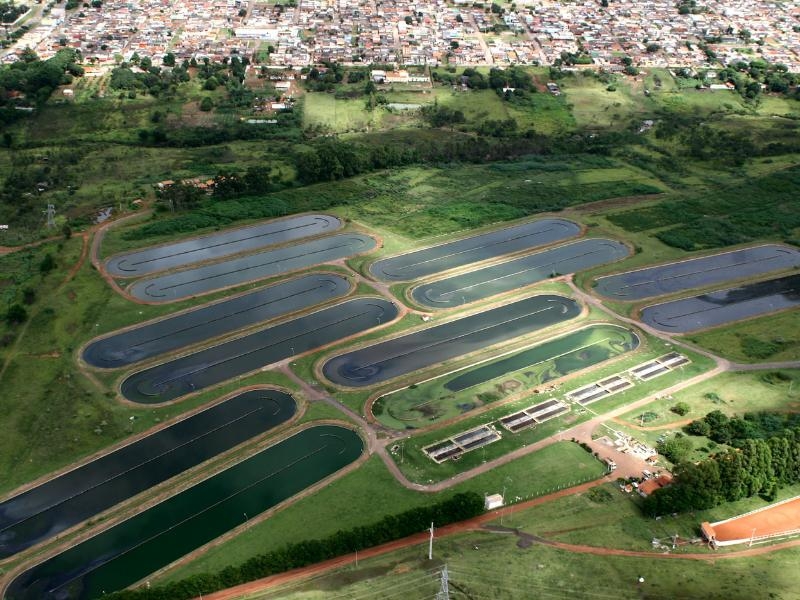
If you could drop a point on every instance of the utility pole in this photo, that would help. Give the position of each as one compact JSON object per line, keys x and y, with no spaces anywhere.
{"x":444,"y":590}
{"x":430,"y":544}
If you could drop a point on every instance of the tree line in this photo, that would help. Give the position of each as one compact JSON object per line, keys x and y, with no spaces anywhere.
{"x":764,"y":456}
{"x":294,"y":555}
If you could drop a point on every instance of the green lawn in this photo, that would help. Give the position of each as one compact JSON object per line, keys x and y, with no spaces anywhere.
{"x":770,"y":338}
{"x":487,"y":565}
{"x":732,"y":393}
{"x":338,"y":114}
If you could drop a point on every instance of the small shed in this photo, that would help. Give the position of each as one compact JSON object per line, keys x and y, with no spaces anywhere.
{"x":493,"y":501}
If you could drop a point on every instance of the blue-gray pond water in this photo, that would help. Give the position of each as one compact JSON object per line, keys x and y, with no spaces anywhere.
{"x":698,"y":272}
{"x":214,"y":365}
{"x":218,"y":245}
{"x":252,"y":267}
{"x":212,"y":320}
{"x":517,"y":273}
{"x":434,"y":345}
{"x":429,"y":261}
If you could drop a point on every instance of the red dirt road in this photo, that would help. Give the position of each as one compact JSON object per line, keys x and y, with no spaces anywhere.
{"x":260,"y":585}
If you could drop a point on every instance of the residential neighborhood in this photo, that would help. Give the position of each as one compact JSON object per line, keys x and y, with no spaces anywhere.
{"x":590,"y":33}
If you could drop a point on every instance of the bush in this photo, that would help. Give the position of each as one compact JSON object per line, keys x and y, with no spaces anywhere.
{"x":16,"y":314}
{"x":677,"y":449}
{"x":681,"y":408}
{"x":48,"y":264}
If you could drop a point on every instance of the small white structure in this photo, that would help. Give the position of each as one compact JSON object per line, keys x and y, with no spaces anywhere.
{"x":493,"y":501}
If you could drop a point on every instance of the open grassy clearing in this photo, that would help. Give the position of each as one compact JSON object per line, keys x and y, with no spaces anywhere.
{"x":420,"y":202}
{"x":614,"y":520}
{"x":770,"y":338}
{"x":338,"y":114}
{"x":370,"y":492}
{"x":731,"y":393}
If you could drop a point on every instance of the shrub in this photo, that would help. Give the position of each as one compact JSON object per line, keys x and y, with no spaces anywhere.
{"x":16,"y":314}
{"x":681,"y":408}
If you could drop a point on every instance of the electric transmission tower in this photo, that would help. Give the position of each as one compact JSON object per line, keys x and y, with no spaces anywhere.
{"x":50,"y":213}
{"x":444,"y":590}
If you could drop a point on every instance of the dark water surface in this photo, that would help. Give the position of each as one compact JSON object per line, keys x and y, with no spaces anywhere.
{"x":518,"y":273}
{"x":724,"y":306}
{"x":428,"y":347}
{"x":166,"y":335}
{"x":210,"y":366}
{"x":219,"y":245}
{"x":242,"y":269}
{"x":58,"y":504}
{"x":698,"y":272}
{"x":131,"y":550}
{"x":436,"y":259}
{"x":573,"y":352}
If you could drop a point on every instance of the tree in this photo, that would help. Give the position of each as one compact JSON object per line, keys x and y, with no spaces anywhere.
{"x":16,"y":314}
{"x":676,"y":449}
{"x":206,"y":104}
{"x":653,"y":47}
{"x":48,"y":264}
{"x":168,"y":60}
{"x":681,"y":408}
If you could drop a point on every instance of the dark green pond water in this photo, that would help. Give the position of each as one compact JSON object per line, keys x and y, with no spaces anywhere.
{"x":131,"y":550}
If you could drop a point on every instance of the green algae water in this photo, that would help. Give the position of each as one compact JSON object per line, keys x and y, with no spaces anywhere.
{"x":452,"y":395}
{"x":129,"y":551}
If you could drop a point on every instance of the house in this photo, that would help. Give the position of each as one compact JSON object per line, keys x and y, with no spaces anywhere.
{"x":656,"y":483}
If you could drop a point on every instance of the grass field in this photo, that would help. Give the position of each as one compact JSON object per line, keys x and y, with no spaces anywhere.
{"x":370,"y":492}
{"x":500,"y":569}
{"x":731,"y":393}
{"x":770,"y":338}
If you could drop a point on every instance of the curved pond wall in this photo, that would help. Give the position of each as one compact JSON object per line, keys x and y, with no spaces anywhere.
{"x":219,"y":245}
{"x":131,"y":550}
{"x":58,"y":504}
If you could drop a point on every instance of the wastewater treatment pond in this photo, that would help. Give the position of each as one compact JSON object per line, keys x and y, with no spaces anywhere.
{"x":698,"y":272}
{"x":212,"y":320}
{"x":434,"y":345}
{"x":724,"y":306}
{"x":458,"y":253}
{"x":204,"y":368}
{"x":219,"y":245}
{"x":517,"y":273}
{"x":252,"y":267}
{"x":154,"y":538}
{"x":56,"y":505}
{"x":517,"y":373}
